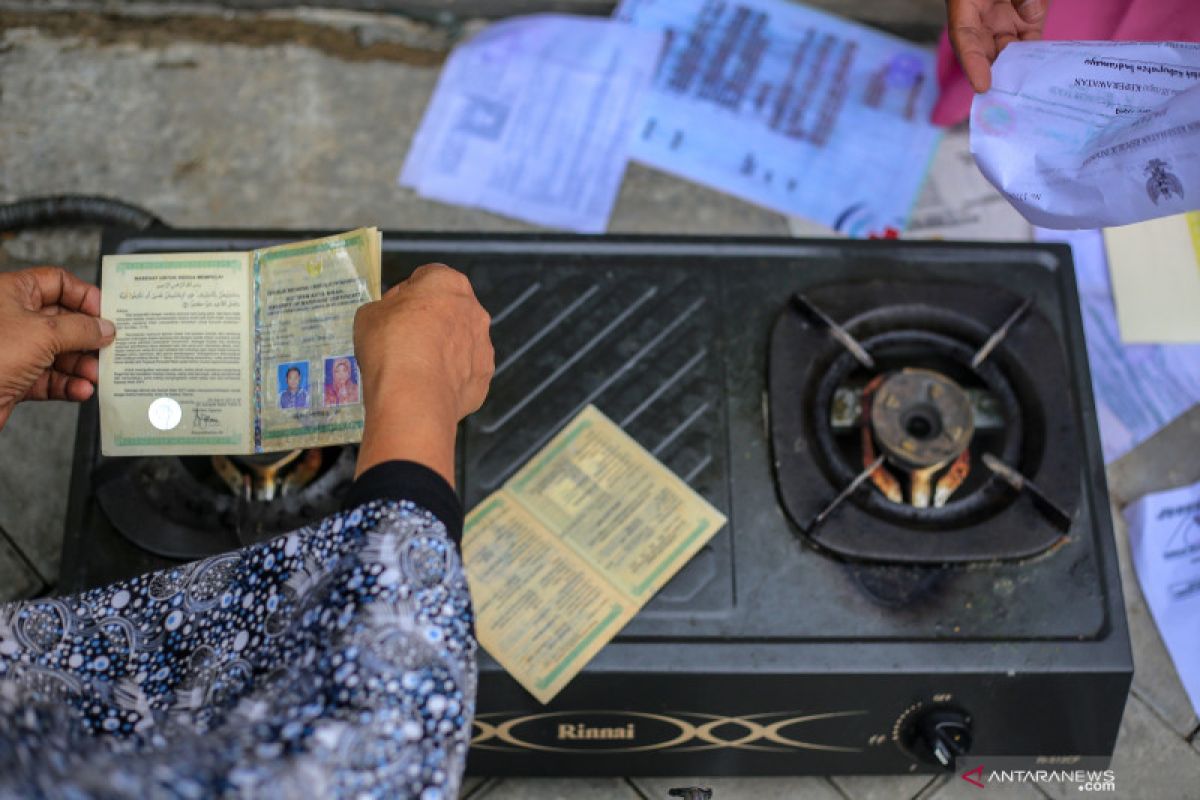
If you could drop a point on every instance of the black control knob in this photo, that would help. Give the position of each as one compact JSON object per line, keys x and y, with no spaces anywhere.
{"x":939,"y":735}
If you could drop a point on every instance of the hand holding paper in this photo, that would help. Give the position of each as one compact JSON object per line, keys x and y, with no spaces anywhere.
{"x":979,"y":30}
{"x":1092,"y":134}
{"x":49,"y":323}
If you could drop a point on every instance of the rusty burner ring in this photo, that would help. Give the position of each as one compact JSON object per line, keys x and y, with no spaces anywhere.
{"x":921,"y":418}
{"x":987,"y":499}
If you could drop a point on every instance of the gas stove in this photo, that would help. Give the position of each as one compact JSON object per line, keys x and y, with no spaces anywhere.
{"x":919,"y":560}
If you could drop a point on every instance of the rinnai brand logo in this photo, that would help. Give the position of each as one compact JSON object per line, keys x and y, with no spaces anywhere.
{"x":568,"y":731}
{"x":1086,"y":773}
{"x":600,"y":733}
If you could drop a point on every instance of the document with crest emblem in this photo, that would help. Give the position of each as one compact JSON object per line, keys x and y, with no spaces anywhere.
{"x":238,"y":352}
{"x":567,"y":551}
{"x":1092,"y":134}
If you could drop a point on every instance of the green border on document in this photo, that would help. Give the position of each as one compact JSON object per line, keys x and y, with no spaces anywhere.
{"x":546,"y":459}
{"x":477,"y":517}
{"x":669,"y":560}
{"x":334,"y":427}
{"x":142,"y":441}
{"x":284,"y":252}
{"x":579,"y":648}
{"x":225,"y":263}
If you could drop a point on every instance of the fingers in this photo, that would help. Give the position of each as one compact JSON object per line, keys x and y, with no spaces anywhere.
{"x":1003,"y":40}
{"x":440,"y":276}
{"x":71,"y":331}
{"x":55,"y":385}
{"x":971,"y":41}
{"x":80,"y":365}
{"x":1032,"y":13}
{"x":56,"y":286}
{"x":980,"y":29}
{"x":975,"y":53}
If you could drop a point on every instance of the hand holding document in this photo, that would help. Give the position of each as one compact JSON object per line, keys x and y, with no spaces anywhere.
{"x":1164,"y":536}
{"x":1092,"y":134}
{"x":572,"y":546}
{"x":235,"y":352}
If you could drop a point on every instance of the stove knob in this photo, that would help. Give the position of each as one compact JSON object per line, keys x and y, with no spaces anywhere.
{"x":940,"y":735}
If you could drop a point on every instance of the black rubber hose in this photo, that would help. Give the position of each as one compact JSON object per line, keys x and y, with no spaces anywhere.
{"x":73,"y":209}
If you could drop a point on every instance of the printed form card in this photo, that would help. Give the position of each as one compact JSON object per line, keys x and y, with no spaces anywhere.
{"x":570,"y":549}
{"x":235,"y":353}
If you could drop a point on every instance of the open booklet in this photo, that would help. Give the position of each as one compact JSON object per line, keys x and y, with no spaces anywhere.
{"x":235,"y":353}
{"x":573,"y":545}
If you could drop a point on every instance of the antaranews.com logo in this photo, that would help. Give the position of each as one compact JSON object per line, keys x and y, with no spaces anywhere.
{"x":1085,"y":774}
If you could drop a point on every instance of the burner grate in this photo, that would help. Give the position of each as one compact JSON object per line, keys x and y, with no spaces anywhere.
{"x":916,"y":480}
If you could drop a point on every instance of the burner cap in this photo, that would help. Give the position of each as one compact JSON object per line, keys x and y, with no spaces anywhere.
{"x":921,"y":418}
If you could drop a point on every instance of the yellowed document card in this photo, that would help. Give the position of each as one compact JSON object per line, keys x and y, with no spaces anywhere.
{"x":565,"y":554}
{"x":235,"y":353}
{"x":1155,"y":268}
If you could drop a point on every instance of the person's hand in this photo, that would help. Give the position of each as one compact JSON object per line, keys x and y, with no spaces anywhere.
{"x":50,"y":326}
{"x":980,"y":29}
{"x":425,"y":354}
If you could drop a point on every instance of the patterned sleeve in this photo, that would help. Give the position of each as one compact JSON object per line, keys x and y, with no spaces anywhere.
{"x":334,"y":661}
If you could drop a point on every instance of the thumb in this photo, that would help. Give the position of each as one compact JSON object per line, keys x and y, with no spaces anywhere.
{"x":71,"y":332}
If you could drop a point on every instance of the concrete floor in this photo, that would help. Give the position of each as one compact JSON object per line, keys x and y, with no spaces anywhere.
{"x":213,"y":125}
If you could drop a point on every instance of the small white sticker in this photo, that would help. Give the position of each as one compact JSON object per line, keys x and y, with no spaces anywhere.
{"x":165,"y":413}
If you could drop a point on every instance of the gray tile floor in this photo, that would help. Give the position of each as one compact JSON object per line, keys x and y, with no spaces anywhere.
{"x":224,"y":133}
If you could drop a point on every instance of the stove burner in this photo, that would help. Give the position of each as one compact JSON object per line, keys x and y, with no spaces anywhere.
{"x":914,"y":480}
{"x":261,"y":477}
{"x":921,"y":419}
{"x":933,"y":341}
{"x":193,"y":507}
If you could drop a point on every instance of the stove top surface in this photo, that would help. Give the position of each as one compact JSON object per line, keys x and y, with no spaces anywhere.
{"x":672,"y":339}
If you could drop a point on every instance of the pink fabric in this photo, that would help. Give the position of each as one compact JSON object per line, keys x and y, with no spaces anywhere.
{"x":1080,"y":20}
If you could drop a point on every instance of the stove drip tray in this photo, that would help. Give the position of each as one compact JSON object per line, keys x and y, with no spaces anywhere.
{"x":908,"y":425}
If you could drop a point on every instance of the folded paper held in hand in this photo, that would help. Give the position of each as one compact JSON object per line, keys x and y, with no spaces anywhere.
{"x":1092,"y":134}
{"x":235,"y":353}
{"x":567,"y":551}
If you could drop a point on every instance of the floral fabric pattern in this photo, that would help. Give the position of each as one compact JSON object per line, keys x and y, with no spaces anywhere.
{"x":336,"y":660}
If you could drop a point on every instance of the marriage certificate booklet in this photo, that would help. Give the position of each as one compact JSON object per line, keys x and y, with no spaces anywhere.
{"x":235,"y":353}
{"x":569,"y":549}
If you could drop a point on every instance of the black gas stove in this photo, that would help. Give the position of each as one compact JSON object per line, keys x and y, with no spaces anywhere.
{"x":919,"y":560}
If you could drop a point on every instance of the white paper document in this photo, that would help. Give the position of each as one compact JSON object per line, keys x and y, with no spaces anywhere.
{"x":1164,"y":537}
{"x":789,"y":108}
{"x":1155,"y":269}
{"x":1138,"y":388}
{"x":958,"y":203}
{"x":1092,"y":134}
{"x":532,"y":118}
